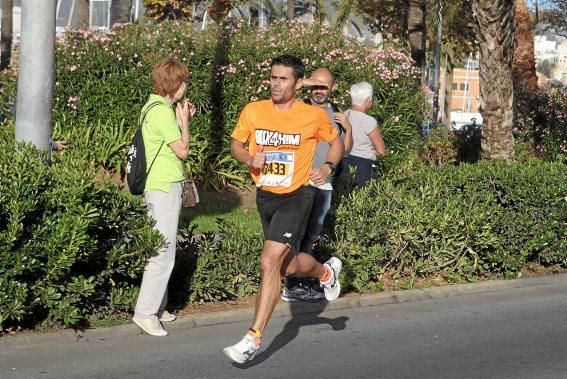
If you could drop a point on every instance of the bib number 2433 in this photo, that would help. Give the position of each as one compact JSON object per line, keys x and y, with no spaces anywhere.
{"x":278,"y":169}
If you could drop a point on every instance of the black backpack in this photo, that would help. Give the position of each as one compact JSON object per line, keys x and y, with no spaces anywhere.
{"x":136,"y":173}
{"x":335,"y":109}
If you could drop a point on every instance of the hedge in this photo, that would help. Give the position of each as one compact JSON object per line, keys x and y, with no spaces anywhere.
{"x":70,"y":246}
{"x":102,"y":81}
{"x":462,"y":222}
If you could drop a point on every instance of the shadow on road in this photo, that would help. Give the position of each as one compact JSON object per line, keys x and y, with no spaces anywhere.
{"x":302,"y":314}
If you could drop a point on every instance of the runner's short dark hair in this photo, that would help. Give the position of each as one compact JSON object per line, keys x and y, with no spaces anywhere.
{"x":291,"y":61}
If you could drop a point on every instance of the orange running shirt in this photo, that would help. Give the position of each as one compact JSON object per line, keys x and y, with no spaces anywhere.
{"x":289,"y":138}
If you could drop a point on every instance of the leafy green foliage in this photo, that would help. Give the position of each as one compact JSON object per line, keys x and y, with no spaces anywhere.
{"x":540,"y":120}
{"x":438,"y":148}
{"x":104,"y":79}
{"x":214,"y":267}
{"x":462,"y":221}
{"x":70,"y":246}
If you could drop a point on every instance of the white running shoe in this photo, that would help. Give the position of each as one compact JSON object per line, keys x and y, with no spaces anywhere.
{"x":332,"y":287}
{"x":150,"y":325}
{"x":167,"y":317}
{"x":243,"y":351}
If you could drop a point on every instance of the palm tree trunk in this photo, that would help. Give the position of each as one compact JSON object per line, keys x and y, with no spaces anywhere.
{"x":523,"y":64}
{"x":6,"y":34}
{"x":416,"y":32}
{"x":120,"y":11}
{"x":495,"y":34}
{"x":83,"y":12}
{"x":290,"y":9}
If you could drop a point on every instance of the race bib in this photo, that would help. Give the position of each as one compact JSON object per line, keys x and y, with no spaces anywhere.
{"x":278,"y":169}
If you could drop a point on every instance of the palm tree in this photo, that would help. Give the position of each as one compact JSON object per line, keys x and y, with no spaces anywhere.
{"x":120,"y":11}
{"x":495,"y":34}
{"x":6,"y":34}
{"x":344,"y":9}
{"x":83,"y":13}
{"x":290,"y":9}
{"x":416,"y":33}
{"x":523,"y":63}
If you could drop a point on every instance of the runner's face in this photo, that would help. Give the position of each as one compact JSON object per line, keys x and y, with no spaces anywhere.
{"x":321,"y":94}
{"x":283,"y":85}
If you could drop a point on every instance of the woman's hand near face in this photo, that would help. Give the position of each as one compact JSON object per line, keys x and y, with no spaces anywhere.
{"x":192,"y":109}
{"x":182,"y":113}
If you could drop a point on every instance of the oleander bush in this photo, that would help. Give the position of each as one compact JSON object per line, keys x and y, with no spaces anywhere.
{"x":103,"y":79}
{"x":215,"y":267}
{"x":541,"y":120}
{"x":72,"y":244}
{"x":461,"y":222}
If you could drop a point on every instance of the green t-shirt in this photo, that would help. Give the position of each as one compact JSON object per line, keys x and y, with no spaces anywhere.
{"x":160,"y":126}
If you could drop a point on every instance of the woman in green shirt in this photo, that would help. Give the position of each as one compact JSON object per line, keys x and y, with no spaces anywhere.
{"x":166,"y":139}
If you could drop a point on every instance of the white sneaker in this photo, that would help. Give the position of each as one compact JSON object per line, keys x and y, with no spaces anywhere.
{"x":243,"y":351}
{"x":167,"y":317}
{"x":150,"y":325}
{"x":332,"y":287}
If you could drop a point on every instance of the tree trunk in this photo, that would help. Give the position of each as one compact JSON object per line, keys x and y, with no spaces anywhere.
{"x":448,"y":92}
{"x":6,"y":34}
{"x":219,"y":9}
{"x":120,"y":11}
{"x":290,"y":9}
{"x":83,"y":13}
{"x":416,"y":32}
{"x":523,"y":64}
{"x":495,"y":34}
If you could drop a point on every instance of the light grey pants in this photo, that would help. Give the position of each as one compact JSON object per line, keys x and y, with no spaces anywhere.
{"x":164,"y":208}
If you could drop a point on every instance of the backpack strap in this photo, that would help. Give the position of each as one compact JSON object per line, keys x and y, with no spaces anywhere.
{"x":335,"y":108}
{"x":152,"y":105}
{"x":142,"y":119}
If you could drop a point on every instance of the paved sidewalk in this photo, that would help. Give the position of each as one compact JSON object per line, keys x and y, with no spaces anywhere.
{"x":281,"y":310}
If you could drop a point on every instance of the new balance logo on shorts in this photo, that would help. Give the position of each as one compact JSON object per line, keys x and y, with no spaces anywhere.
{"x":287,"y":235}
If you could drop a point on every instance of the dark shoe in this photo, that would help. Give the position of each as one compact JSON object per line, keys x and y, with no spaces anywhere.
{"x":293,"y":294}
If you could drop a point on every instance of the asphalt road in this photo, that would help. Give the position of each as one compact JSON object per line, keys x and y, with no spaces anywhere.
{"x":515,"y":333}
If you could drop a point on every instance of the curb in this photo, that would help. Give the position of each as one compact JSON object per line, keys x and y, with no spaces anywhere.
{"x":281,"y":310}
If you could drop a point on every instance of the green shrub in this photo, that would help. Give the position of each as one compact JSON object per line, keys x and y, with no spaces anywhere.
{"x":461,"y":221}
{"x":541,"y":120}
{"x":70,"y":245}
{"x":214,"y":267}
{"x":437,"y":148}
{"x":102,"y":81}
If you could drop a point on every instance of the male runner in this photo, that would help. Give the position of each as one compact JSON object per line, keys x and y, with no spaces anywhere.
{"x":281,"y":134}
{"x":302,"y":289}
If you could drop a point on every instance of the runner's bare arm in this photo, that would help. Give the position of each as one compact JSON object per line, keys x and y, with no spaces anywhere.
{"x":240,"y":153}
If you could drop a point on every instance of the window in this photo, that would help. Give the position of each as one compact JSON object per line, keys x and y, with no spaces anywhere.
{"x":100,"y":13}
{"x":455,"y":86}
{"x":464,"y":86}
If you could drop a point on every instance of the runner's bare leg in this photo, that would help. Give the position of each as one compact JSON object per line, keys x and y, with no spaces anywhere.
{"x":277,"y":258}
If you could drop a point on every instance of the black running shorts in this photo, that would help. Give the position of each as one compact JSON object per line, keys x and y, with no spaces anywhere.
{"x":283,"y":215}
